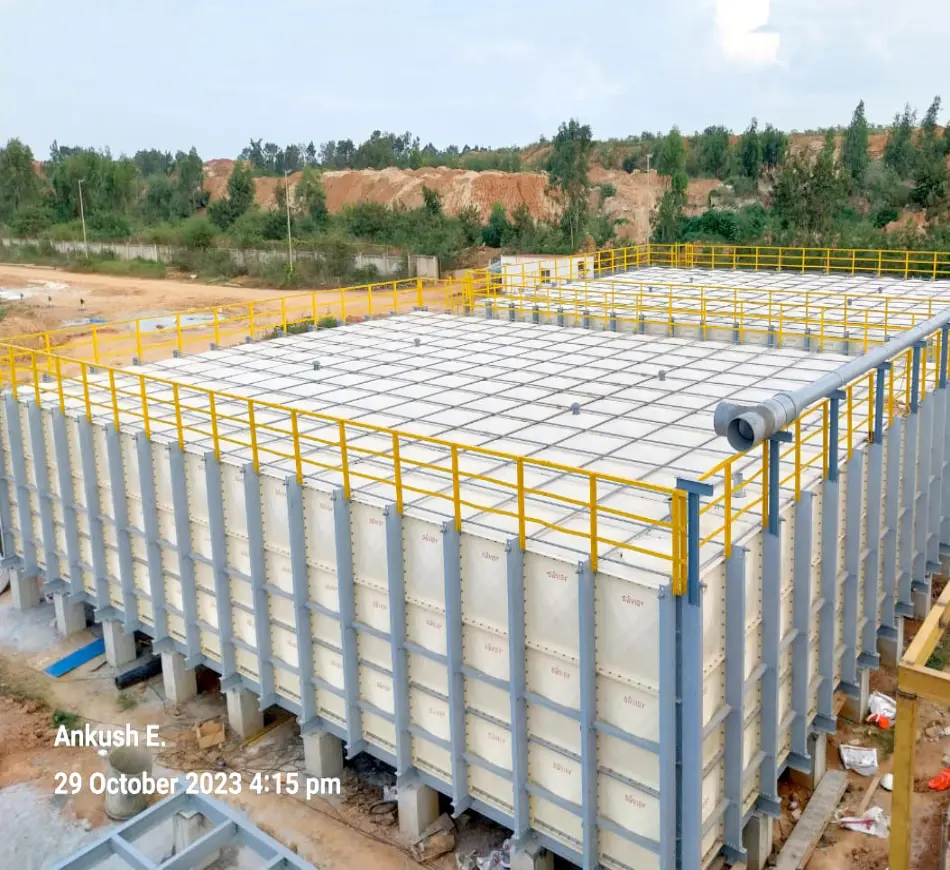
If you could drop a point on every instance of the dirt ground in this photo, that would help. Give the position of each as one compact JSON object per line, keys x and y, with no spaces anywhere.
{"x":354,"y":829}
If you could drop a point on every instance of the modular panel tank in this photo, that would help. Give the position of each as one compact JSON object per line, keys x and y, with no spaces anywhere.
{"x":461,"y":545}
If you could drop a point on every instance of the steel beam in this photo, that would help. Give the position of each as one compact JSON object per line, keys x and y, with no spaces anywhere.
{"x":905,"y":545}
{"x":18,"y":461}
{"x":90,"y":481}
{"x":347,"y":593}
{"x":7,"y":540}
{"x":395,"y":569}
{"x":452,"y":566}
{"x":67,"y":497}
{"x":852,"y":567}
{"x":43,"y":494}
{"x":735,"y":701}
{"x":120,"y":513}
{"x":219,"y":564}
{"x":587,"y":665}
{"x":186,"y":561}
{"x":892,"y":492}
{"x":301,"y":587}
{"x":514,"y":563}
{"x":802,"y":623}
{"x":156,"y":571}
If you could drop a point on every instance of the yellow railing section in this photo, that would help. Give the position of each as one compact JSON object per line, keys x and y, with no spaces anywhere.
{"x":313,"y":443}
{"x":916,"y":682}
{"x":932,"y":265}
{"x":781,"y":314}
{"x":160,"y":336}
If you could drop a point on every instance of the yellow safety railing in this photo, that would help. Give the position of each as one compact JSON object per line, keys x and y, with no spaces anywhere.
{"x":315,"y":443}
{"x":779,"y":314}
{"x":160,"y":336}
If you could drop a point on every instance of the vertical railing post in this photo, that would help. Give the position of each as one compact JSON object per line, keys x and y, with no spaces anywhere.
{"x":689,"y":683}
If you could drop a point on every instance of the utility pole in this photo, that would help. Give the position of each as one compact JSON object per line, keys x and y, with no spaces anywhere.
{"x":290,"y":243}
{"x":82,"y":215}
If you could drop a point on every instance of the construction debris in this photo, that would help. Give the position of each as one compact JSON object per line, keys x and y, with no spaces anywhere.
{"x":821,"y":808}
{"x":209,"y":734}
{"x":874,"y":822}
{"x":861,"y":759}
{"x":438,"y":839}
{"x":883,"y":710}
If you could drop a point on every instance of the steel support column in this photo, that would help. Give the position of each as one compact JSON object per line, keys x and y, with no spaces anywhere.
{"x":771,"y":630}
{"x":868,"y":657}
{"x":255,"y":549}
{"x":452,"y":566}
{"x":735,"y":701}
{"x":891,"y":499}
{"x":937,"y":470}
{"x":689,"y":684}
{"x":120,"y":513}
{"x":514,"y":557}
{"x":67,"y":496}
{"x":90,"y":482}
{"x":828,"y":621}
{"x":919,"y":568}
{"x":347,"y":593}
{"x":18,"y":461}
{"x":43,"y":495}
{"x":909,"y":495}
{"x":395,"y":565}
{"x":852,"y":568}
{"x":802,"y":622}
{"x":156,"y":572}
{"x":186,"y":562}
{"x":219,"y":564}
{"x":7,"y":540}
{"x":588,"y":708}
{"x":301,"y":588}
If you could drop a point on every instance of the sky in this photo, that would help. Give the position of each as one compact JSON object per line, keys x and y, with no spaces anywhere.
{"x":131,"y":75}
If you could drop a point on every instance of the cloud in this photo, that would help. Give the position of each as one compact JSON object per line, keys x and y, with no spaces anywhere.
{"x":740,"y":34}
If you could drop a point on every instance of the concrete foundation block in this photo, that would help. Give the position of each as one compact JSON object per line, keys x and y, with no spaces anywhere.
{"x":244,"y":712}
{"x":120,"y":646}
{"x":323,"y":755}
{"x":188,"y":827}
{"x":531,"y":855}
{"x":418,"y":807}
{"x":70,"y":614}
{"x":818,"y":750}
{"x":922,"y":601}
{"x":180,"y":682}
{"x":25,"y":590}
{"x":856,"y":709}
{"x":757,"y":841}
{"x":891,"y":651}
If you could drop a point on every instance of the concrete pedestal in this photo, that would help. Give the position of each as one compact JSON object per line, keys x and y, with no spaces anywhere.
{"x":322,"y":755}
{"x":25,"y":590}
{"x":856,"y":709}
{"x":418,"y":807}
{"x":531,"y":855}
{"x":757,"y":841}
{"x":120,"y":646}
{"x":818,"y":750}
{"x":891,"y":651}
{"x":70,"y":614}
{"x":922,"y":601}
{"x":189,"y":826}
{"x":244,"y":712}
{"x":179,"y":682}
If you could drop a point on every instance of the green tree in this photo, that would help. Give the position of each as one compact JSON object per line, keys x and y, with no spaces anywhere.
{"x":668,"y":220}
{"x":190,"y":172}
{"x":854,"y":150}
{"x":310,"y":197}
{"x":899,"y":151}
{"x":431,"y":201}
{"x":224,"y":212}
{"x":713,"y":146}
{"x":750,"y":151}
{"x":567,"y":168}
{"x":497,"y":232}
{"x":774,"y":147}
{"x":19,"y":185}
{"x":670,"y":154}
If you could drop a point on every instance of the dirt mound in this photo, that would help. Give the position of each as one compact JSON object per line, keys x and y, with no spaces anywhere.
{"x":636,"y":196}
